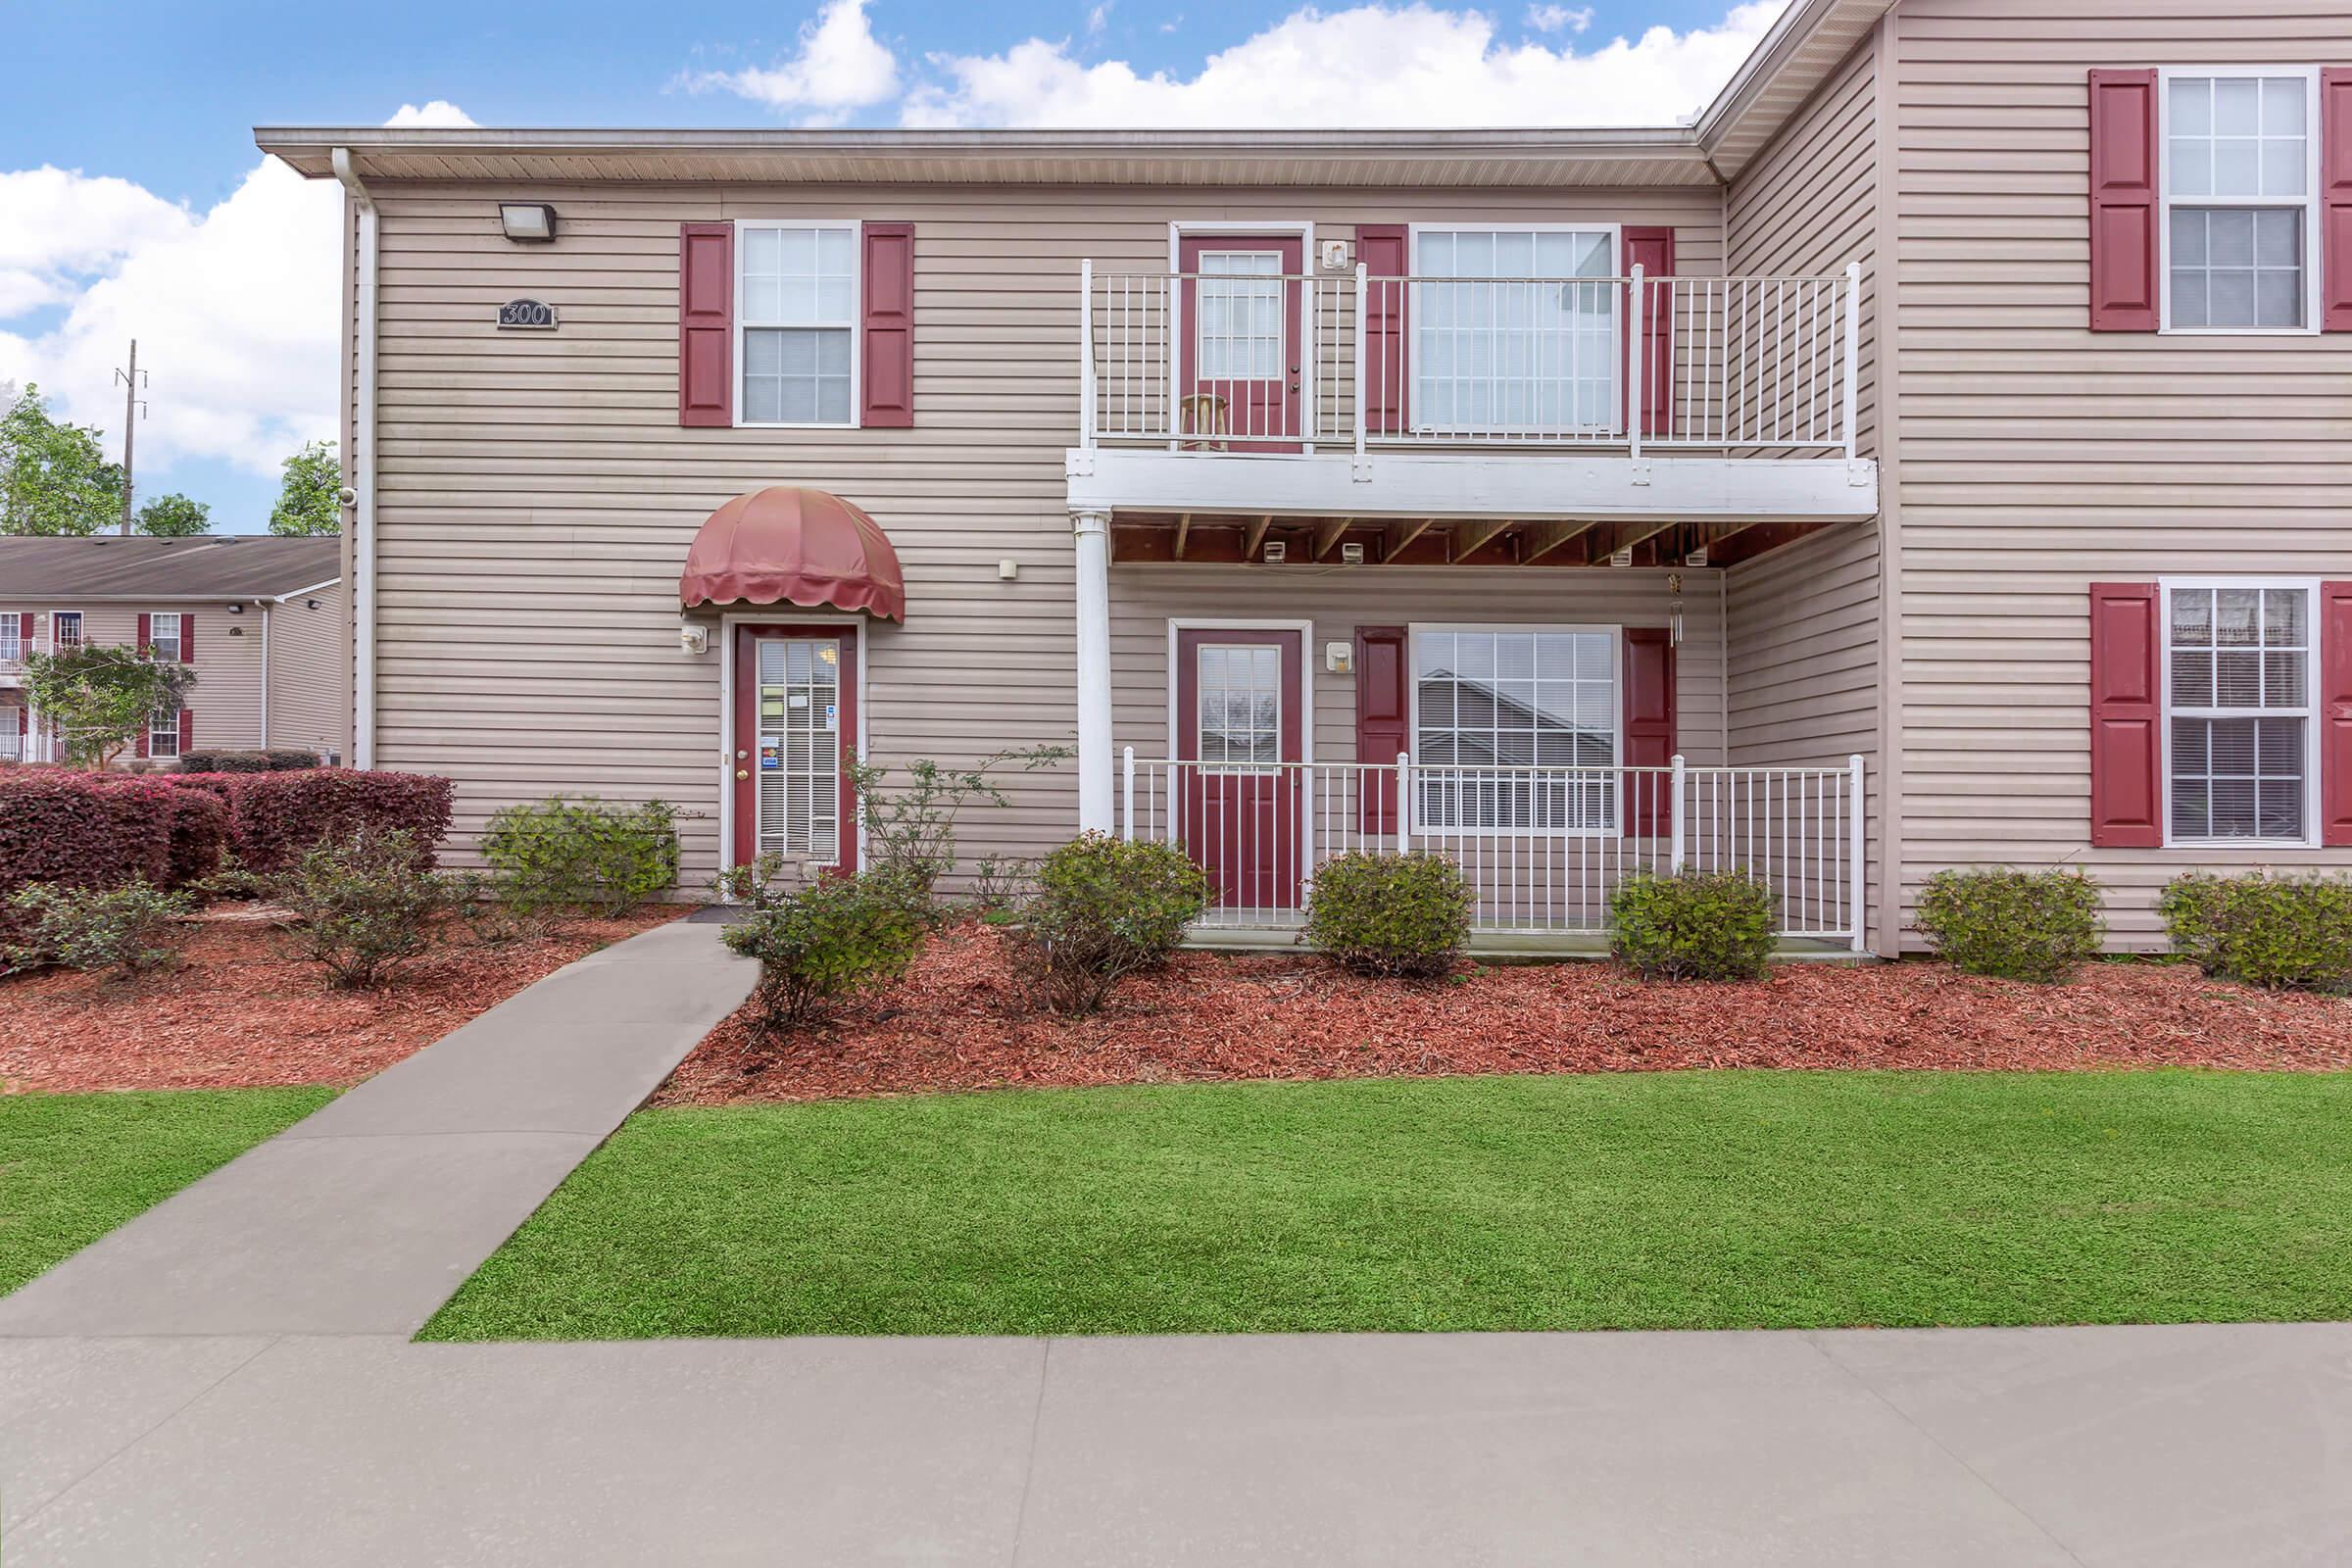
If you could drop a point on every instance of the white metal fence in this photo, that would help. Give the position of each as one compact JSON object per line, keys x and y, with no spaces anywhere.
{"x":1337,"y":361}
{"x":1544,"y":849}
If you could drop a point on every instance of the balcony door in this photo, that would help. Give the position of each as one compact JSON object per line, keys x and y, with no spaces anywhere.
{"x":1237,"y":719}
{"x":1238,"y":382}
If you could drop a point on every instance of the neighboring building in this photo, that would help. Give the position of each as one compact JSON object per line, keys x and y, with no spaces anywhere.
{"x":1982,"y":441}
{"x":260,"y":620}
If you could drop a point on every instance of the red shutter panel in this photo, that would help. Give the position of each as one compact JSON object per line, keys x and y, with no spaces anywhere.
{"x":187,"y":730}
{"x":2122,"y":201}
{"x":1385,"y":251}
{"x":2335,"y":199}
{"x":188,"y":637}
{"x":1649,"y":726}
{"x":1384,"y":707}
{"x":2127,"y":788}
{"x":1652,"y":250}
{"x":2335,"y":712}
{"x":146,"y":634}
{"x":887,"y":372}
{"x":706,"y":323}
{"x":27,"y":629}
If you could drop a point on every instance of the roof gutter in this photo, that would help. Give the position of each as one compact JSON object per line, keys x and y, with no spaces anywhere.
{"x":360,"y":498}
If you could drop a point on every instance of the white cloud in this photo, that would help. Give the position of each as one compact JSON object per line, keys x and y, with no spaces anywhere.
{"x":234,"y":308}
{"x":1098,"y":18}
{"x":438,"y":112}
{"x":840,"y":67}
{"x":1554,"y":19}
{"x":1372,"y":65}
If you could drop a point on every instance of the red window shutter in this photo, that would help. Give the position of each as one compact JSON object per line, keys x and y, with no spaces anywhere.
{"x":2335,"y":199}
{"x":187,"y":730}
{"x":1652,"y":250}
{"x":886,"y":373}
{"x":2126,"y":715}
{"x":27,"y":626}
{"x":2335,"y":712}
{"x":146,"y":634}
{"x":706,"y":323}
{"x":1648,"y":725}
{"x":141,"y":749}
{"x":2122,"y":201}
{"x":188,"y":637}
{"x":1384,"y":706}
{"x":1385,"y":251}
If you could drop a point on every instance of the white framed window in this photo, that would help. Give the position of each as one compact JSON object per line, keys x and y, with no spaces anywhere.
{"x":1527,"y":342}
{"x":163,"y":733}
{"x":1238,"y":335}
{"x":2242,"y":758}
{"x":2238,"y":198}
{"x":163,"y":637}
{"x":1500,"y":714}
{"x":11,"y":638}
{"x":64,"y":630}
{"x":795,"y":322}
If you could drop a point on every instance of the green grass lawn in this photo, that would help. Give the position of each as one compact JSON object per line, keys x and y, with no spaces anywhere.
{"x":1728,"y":1199}
{"x":74,"y":1167}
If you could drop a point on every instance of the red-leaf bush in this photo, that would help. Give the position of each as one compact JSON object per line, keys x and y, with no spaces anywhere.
{"x":199,"y":835}
{"x":275,"y":817}
{"x":80,"y":830}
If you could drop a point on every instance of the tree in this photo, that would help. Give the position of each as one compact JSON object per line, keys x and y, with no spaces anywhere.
{"x":54,"y":478}
{"x":103,"y":697}
{"x":310,"y":501}
{"x":174,"y":517}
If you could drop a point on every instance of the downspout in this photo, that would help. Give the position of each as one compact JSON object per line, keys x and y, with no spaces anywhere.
{"x":265,"y":603}
{"x":363,"y":470}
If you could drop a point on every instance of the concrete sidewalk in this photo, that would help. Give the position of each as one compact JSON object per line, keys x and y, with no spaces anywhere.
{"x":2197,"y":1445}
{"x":364,"y":1217}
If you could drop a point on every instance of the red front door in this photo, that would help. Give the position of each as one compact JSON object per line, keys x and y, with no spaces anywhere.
{"x":1237,"y":718}
{"x":1240,"y":387}
{"x":796,"y":727}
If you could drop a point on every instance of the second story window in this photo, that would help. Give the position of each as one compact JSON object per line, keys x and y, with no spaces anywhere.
{"x":1521,"y":345}
{"x":2239,"y":187}
{"x":797,"y":291}
{"x":12,"y":639}
{"x":163,"y":637}
{"x":64,"y":630}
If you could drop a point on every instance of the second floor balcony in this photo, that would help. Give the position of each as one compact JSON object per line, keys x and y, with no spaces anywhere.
{"x":1242,"y":387}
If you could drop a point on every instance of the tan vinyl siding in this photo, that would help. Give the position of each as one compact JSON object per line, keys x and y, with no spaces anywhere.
{"x":2039,"y":458}
{"x":226,"y":698}
{"x":310,"y":681}
{"x":1144,"y":600}
{"x":1803,"y":621}
{"x":536,"y":495}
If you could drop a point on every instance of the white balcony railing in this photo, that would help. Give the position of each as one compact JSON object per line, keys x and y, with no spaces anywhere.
{"x":1544,"y":849}
{"x":1337,"y":361}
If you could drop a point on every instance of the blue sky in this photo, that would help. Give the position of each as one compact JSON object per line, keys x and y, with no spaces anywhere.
{"x":151,"y":216}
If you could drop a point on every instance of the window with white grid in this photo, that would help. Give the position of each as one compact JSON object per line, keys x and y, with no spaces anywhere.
{"x":2238,"y":714}
{"x":163,"y":637}
{"x":163,"y":733}
{"x":1239,"y":689}
{"x":1238,"y":334}
{"x":799,"y":748}
{"x":1500,"y":719}
{"x":11,"y":638}
{"x":1522,"y":345}
{"x":64,"y":630}
{"x":2238,"y":188}
{"x":797,"y":291}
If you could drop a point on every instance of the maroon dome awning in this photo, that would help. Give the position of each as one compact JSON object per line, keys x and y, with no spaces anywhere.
{"x":790,"y":546}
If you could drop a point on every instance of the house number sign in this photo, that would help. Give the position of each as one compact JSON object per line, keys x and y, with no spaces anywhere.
{"x":533,"y":314}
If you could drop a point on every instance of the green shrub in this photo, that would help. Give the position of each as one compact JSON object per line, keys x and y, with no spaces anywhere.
{"x":362,"y":906}
{"x":909,"y":828}
{"x":2288,"y":933}
{"x":129,"y":929}
{"x":2012,"y":925}
{"x":1391,"y":916}
{"x":1102,"y":909}
{"x":1696,"y":925}
{"x":492,"y":917}
{"x":578,"y":853}
{"x":823,"y":945}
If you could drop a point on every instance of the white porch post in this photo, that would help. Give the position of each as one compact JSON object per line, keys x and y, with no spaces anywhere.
{"x":1089,"y":534}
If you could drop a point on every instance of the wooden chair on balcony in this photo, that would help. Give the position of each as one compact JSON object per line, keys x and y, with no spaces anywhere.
{"x":1203,"y":421}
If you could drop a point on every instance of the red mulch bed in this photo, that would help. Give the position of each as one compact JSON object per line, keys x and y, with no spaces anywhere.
{"x":240,"y":1014}
{"x":954,"y":1022}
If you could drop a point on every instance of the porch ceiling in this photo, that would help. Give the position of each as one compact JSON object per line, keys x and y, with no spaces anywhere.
{"x":1209,"y":538}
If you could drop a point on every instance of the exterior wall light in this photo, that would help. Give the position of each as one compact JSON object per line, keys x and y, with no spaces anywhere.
{"x":528,"y":223}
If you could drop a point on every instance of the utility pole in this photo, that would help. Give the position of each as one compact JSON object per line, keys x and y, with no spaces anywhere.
{"x":134,"y":408}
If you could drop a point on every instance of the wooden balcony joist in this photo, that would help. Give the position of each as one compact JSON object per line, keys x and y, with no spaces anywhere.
{"x":1213,"y":538}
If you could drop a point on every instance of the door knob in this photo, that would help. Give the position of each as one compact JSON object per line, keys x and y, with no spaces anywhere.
{"x":742,"y":773}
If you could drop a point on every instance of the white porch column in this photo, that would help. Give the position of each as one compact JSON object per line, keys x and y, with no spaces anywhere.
{"x":1090,"y":534}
